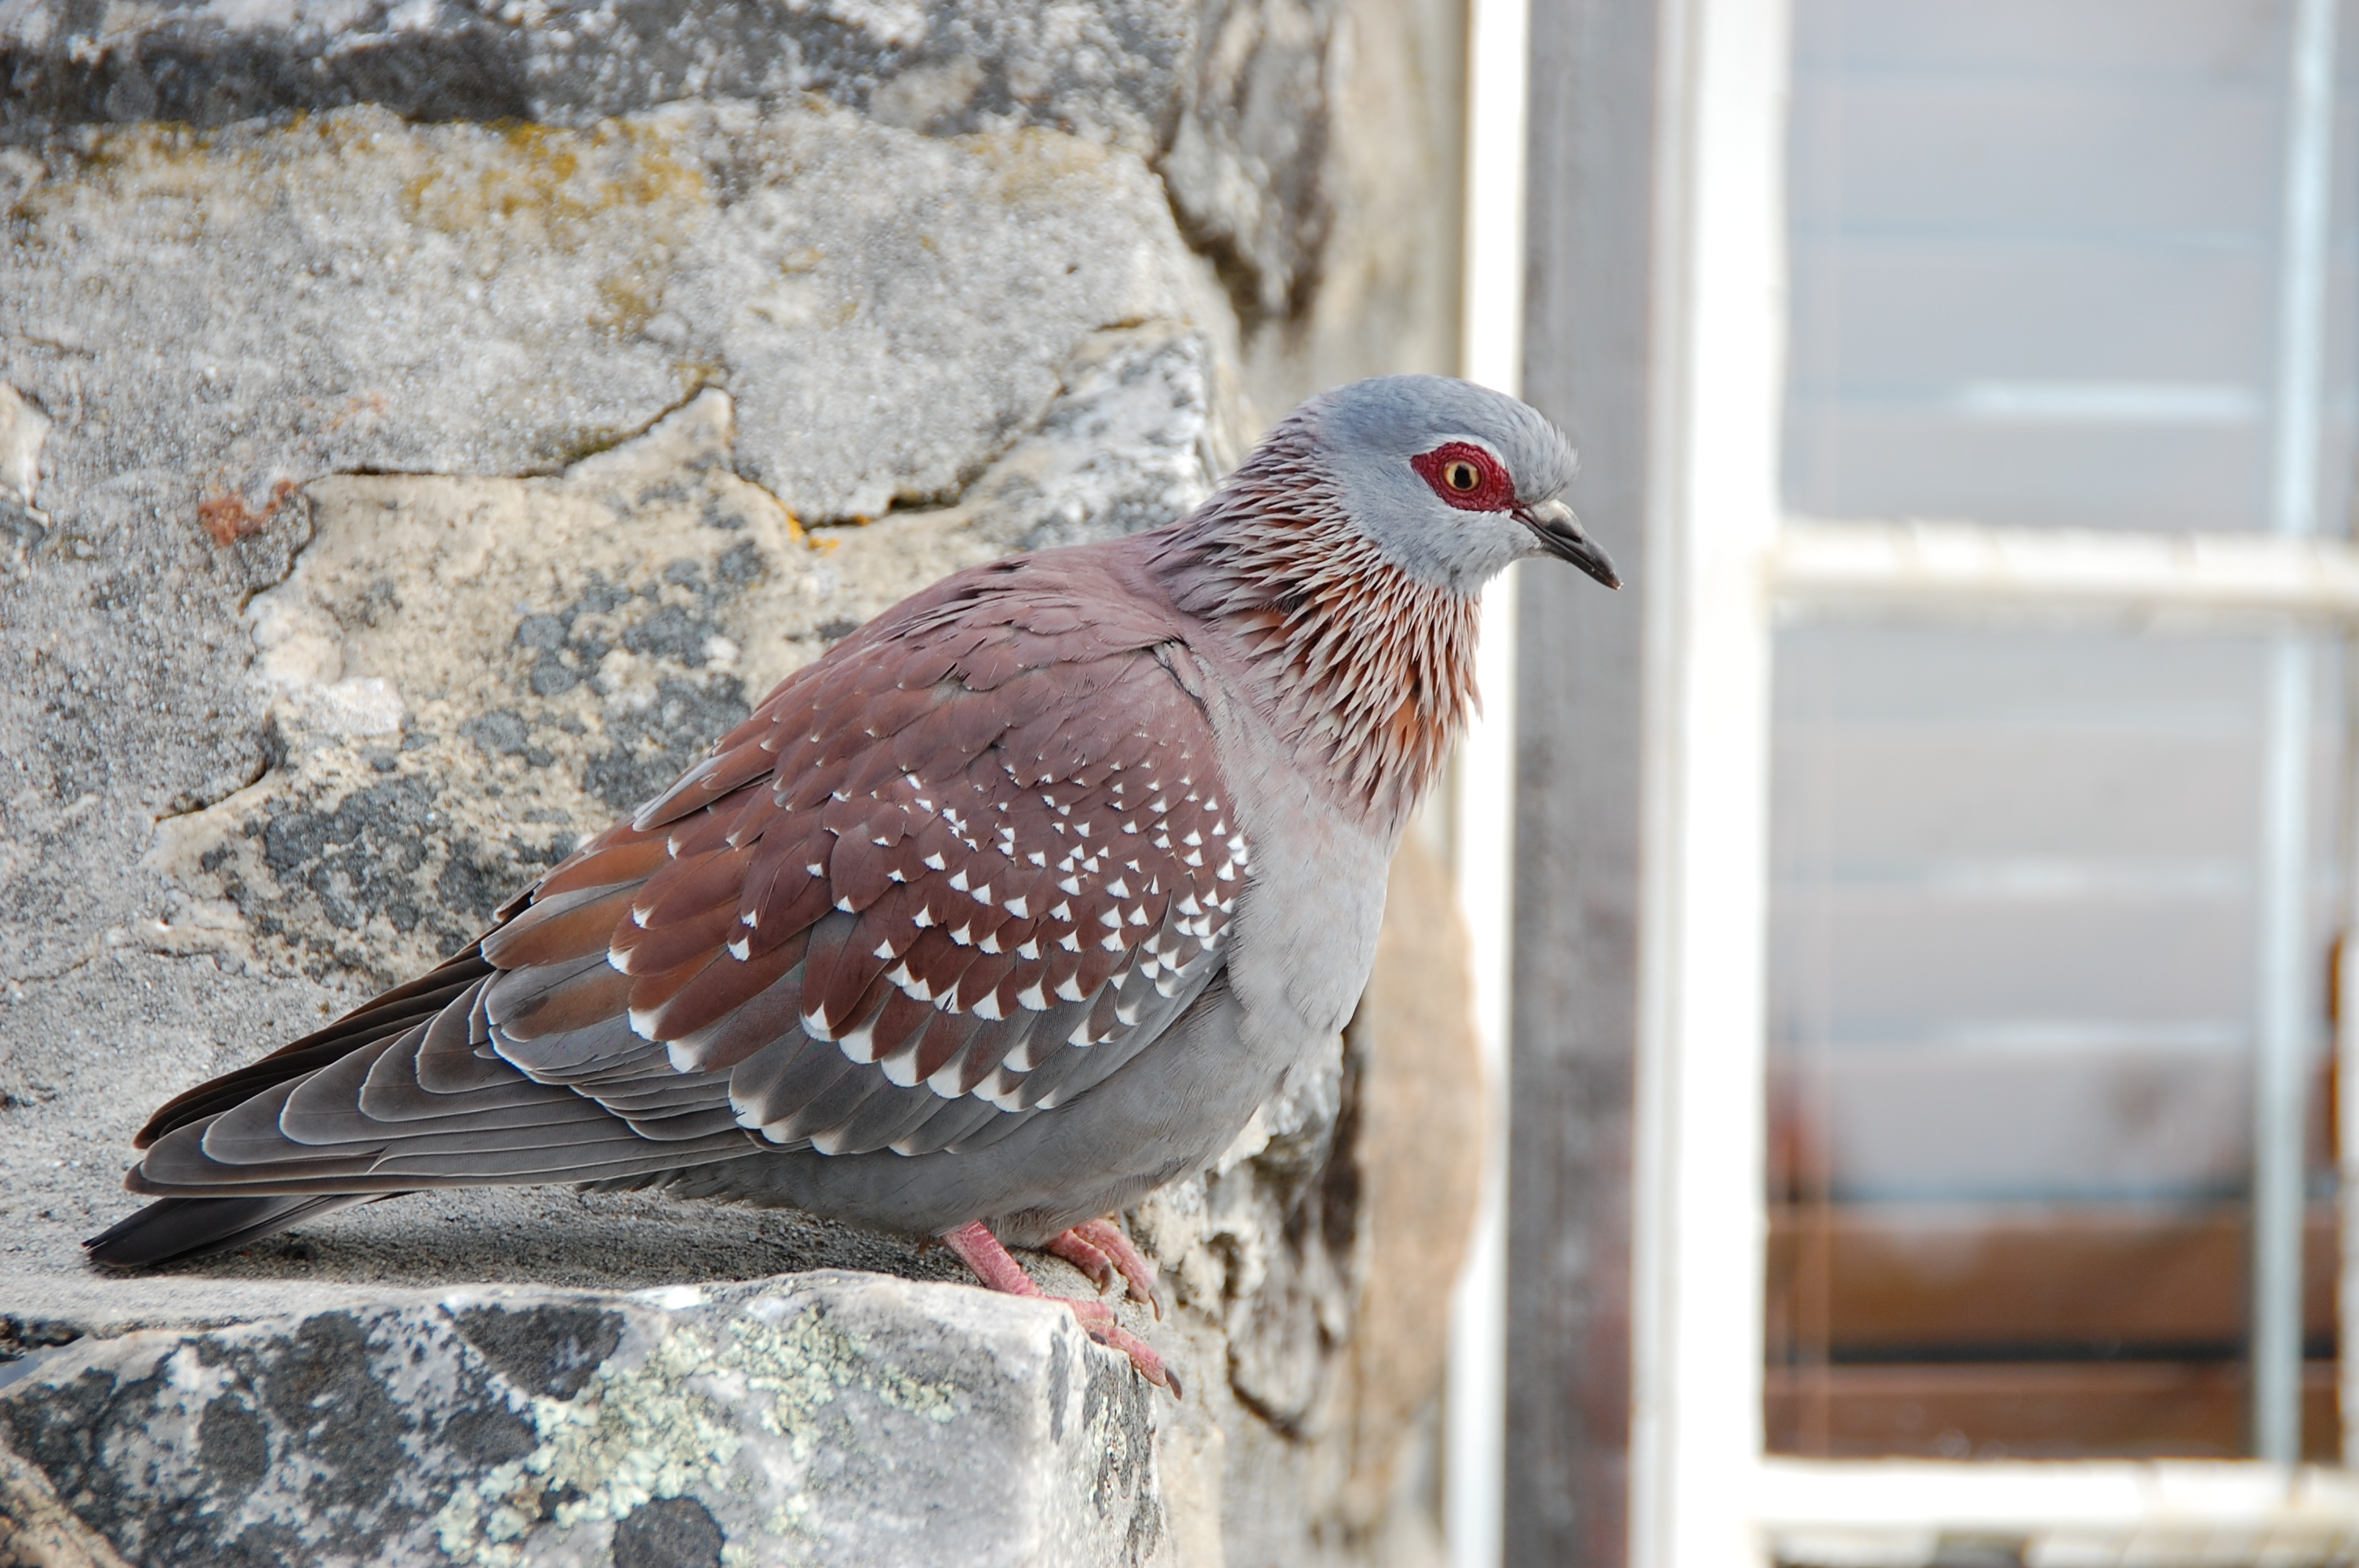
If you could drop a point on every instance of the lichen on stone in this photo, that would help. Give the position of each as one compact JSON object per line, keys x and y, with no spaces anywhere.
{"x":807,"y":1359}
{"x":630,"y":1436}
{"x":666,"y":1428}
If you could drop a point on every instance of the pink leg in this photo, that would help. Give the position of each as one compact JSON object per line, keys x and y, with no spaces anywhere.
{"x":982,"y":1252}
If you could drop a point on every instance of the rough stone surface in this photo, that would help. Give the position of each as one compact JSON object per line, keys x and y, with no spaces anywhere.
{"x":822,"y":1418}
{"x":1103,"y":71}
{"x":1310,"y":148}
{"x":422,"y":427}
{"x":467,"y":676}
{"x":449,"y":307}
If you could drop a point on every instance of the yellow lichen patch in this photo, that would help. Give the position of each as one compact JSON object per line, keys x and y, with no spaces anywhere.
{"x":1034,"y":168}
{"x":544,"y":187}
{"x":627,"y":301}
{"x":626,"y":194}
{"x":165,"y":159}
{"x":675,"y":1424}
{"x":619,"y":190}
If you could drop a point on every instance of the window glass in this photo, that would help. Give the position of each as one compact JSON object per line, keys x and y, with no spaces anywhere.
{"x":2014,"y":933}
{"x":2034,"y":261}
{"x":2011,"y":1021}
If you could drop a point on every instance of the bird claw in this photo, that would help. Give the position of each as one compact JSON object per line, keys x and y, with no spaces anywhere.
{"x":1138,"y":1274}
{"x":1099,"y":1249}
{"x":1098,"y":1322}
{"x":982,"y":1252}
{"x":1089,"y":1260}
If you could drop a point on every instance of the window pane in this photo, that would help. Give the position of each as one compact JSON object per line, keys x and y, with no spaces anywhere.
{"x":2035,"y":261}
{"x":2035,"y":264}
{"x":2012,"y":999}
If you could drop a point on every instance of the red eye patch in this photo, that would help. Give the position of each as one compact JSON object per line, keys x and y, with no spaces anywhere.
{"x":1466,"y":477}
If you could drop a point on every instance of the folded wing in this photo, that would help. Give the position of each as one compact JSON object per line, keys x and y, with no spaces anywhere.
{"x":943,"y":881}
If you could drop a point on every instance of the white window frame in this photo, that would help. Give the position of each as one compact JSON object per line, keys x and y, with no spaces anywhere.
{"x":1721,"y":566}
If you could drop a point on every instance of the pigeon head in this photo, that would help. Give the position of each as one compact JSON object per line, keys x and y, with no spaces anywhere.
{"x":1452,"y":481}
{"x":1342,"y":563}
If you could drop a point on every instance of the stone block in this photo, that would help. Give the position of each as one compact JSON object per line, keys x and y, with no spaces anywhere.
{"x":822,"y":1418}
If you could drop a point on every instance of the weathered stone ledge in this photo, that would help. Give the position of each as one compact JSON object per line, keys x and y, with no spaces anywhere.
{"x":819,"y":1418}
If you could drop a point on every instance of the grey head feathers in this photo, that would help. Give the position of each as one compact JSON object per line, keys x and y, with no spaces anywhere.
{"x":1387,"y":442}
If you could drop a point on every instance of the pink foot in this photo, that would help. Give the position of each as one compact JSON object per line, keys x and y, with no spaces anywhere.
{"x":1099,"y":1249}
{"x":982,"y":1252}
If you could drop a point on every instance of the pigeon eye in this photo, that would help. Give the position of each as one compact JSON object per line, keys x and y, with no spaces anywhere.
{"x":1466,"y":477}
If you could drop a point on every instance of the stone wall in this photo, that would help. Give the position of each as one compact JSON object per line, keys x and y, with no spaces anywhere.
{"x":421,"y":428}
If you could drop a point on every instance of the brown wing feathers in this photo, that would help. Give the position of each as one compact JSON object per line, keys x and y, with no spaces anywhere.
{"x":390,"y":1013}
{"x":949,"y":877}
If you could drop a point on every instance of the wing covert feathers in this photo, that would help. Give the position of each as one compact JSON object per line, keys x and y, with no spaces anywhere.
{"x":946,"y":879}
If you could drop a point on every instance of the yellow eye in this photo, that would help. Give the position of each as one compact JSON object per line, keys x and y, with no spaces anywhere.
{"x":1461,"y":476}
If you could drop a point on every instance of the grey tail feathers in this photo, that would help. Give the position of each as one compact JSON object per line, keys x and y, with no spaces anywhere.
{"x":171,"y":1229}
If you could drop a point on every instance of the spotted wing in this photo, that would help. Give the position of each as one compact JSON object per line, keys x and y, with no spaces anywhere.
{"x":970,"y":870}
{"x":946,"y":879}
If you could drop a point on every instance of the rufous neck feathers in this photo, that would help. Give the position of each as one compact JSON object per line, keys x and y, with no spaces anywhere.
{"x":1365,"y":671}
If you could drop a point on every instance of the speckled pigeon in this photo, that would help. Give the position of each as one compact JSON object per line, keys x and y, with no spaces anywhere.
{"x":1011,"y":908}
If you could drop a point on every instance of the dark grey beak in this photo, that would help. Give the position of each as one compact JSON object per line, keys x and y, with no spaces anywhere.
{"x":1558,"y":532}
